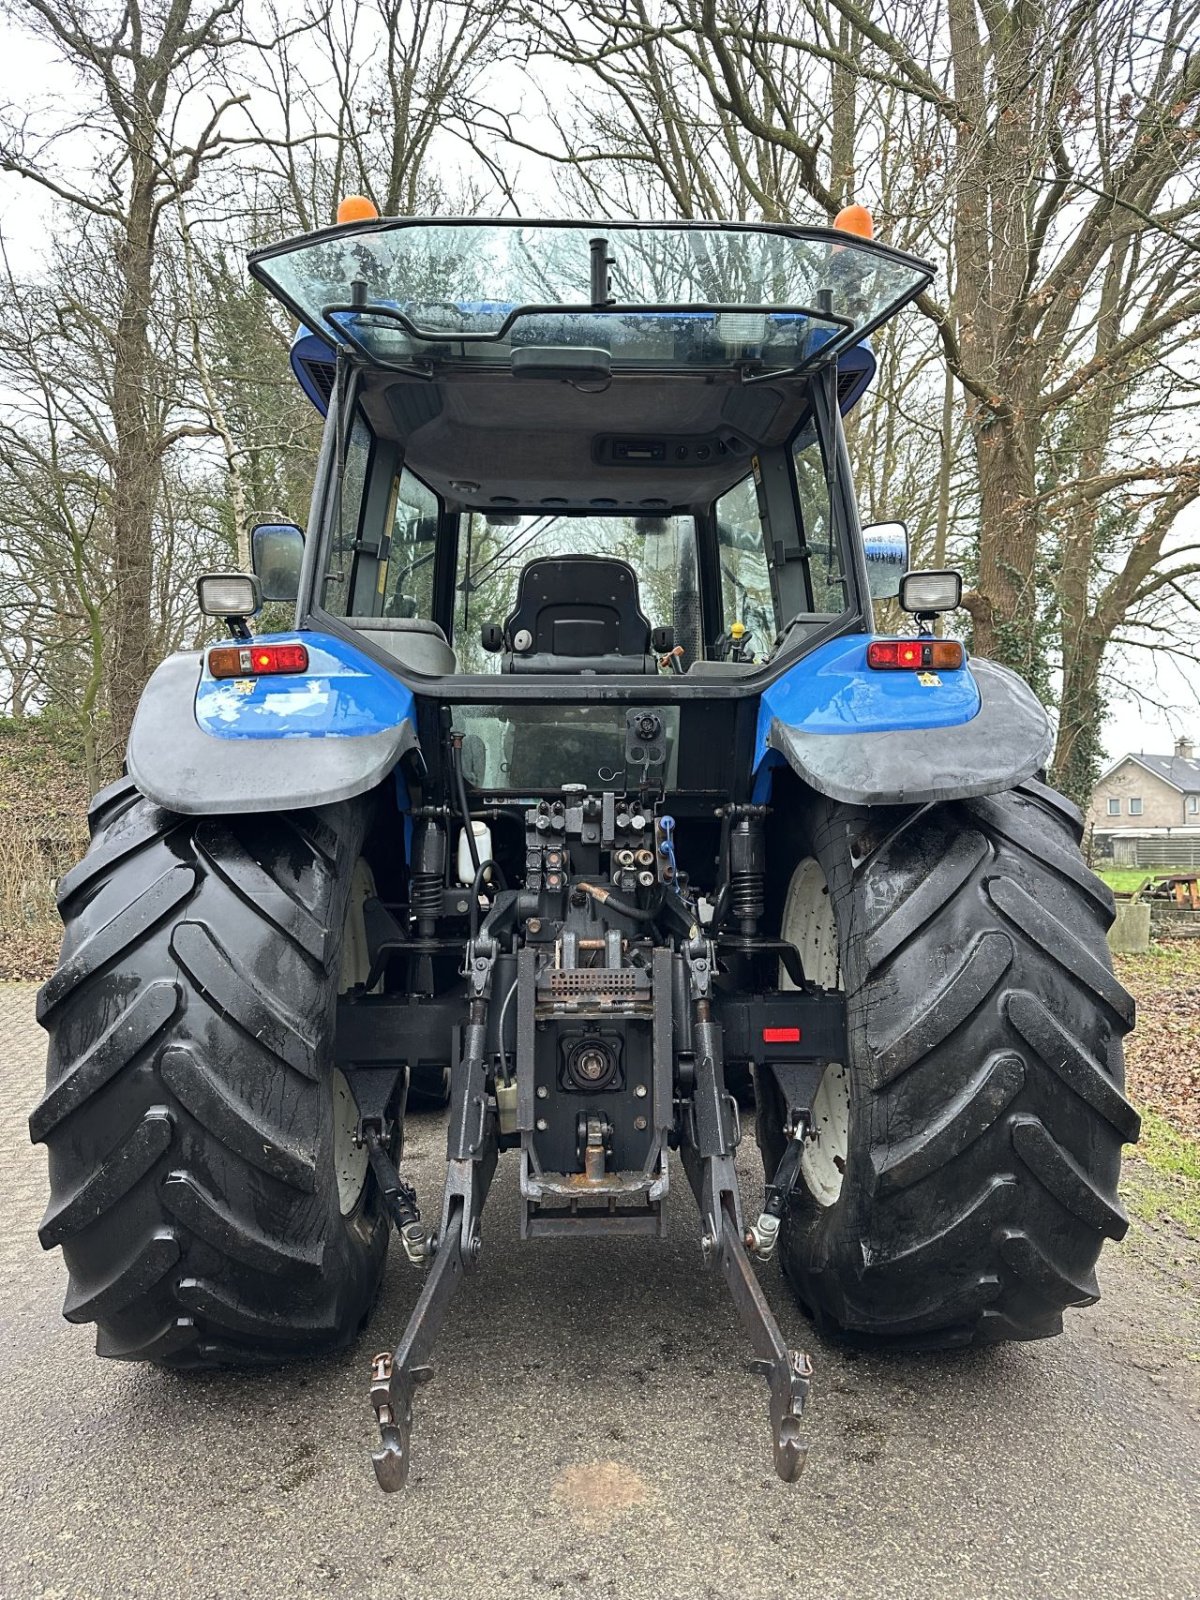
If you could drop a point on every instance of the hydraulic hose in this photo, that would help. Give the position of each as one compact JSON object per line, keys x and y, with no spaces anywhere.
{"x":481,"y":870}
{"x":504,"y":1072}
{"x":460,"y":784}
{"x":623,"y":908}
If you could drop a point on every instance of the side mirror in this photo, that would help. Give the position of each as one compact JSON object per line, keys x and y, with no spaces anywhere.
{"x":276,"y":550}
{"x":885,"y":545}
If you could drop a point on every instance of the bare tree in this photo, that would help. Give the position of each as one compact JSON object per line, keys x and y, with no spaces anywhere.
{"x":150,"y":129}
{"x":369,"y":96}
{"x":1049,"y":156}
{"x":55,"y":542}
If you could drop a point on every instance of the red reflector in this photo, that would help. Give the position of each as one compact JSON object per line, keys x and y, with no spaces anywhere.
{"x":781,"y":1035}
{"x":249,"y":660}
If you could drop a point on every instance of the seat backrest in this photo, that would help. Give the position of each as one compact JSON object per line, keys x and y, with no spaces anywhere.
{"x":578,"y":613}
{"x":414,"y":642}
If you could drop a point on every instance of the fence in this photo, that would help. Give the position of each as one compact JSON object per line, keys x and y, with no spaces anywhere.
{"x":1165,"y":850}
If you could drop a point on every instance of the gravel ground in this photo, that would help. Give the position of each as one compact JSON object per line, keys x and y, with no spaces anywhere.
{"x":592,"y":1432}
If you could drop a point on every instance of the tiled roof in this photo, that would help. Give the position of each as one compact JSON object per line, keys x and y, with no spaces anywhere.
{"x":1180,"y":774}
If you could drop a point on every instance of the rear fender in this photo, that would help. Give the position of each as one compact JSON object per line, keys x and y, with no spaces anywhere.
{"x":875,"y":738}
{"x":281,"y":742}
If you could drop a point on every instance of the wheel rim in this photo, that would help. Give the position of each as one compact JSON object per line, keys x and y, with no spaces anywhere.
{"x":350,"y":1160}
{"x":809,"y":924}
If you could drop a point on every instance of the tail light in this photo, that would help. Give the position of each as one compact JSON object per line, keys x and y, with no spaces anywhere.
{"x":253,"y":660}
{"x":914,"y":655}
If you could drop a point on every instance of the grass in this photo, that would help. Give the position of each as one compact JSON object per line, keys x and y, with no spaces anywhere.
{"x":1167,"y":965}
{"x":1162,"y":1178}
{"x":1124,"y":880}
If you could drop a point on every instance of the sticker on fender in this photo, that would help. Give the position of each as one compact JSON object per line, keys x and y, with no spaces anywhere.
{"x":929,"y":680}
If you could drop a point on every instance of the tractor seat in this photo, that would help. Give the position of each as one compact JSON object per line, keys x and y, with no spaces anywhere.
{"x":414,"y":642}
{"x":577,"y":614}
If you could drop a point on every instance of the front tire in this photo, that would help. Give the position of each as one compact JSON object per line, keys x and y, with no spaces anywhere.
{"x":208,"y":1208}
{"x":973,"y":1137}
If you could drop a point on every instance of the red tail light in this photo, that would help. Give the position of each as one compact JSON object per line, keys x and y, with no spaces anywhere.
{"x":781,"y":1035}
{"x":251,"y":660}
{"x":914,"y":655}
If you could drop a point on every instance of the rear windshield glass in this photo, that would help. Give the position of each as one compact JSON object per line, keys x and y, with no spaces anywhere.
{"x":672,"y":296}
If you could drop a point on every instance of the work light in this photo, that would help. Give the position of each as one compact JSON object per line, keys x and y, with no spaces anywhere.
{"x":229,"y":594}
{"x":922,"y":592}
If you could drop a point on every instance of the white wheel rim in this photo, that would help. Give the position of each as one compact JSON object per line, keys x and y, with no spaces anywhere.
{"x":350,"y":1160}
{"x":809,"y":924}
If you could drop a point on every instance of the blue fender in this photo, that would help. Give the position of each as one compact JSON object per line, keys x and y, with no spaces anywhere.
{"x":868,"y":737}
{"x":202,"y":745}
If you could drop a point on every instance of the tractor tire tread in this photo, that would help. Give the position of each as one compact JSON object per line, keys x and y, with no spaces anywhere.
{"x":988,"y":1107}
{"x":188,"y":1114}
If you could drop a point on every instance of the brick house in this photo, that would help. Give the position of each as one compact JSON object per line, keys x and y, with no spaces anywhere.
{"x":1154,"y":798}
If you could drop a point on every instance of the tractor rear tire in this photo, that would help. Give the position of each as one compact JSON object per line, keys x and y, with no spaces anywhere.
{"x":194,"y":1122}
{"x":973,"y":1138}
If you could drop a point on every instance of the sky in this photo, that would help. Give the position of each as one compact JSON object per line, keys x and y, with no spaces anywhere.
{"x":1153,"y":698}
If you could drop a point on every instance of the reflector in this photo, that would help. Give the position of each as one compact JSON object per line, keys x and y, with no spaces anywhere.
{"x":781,"y":1035}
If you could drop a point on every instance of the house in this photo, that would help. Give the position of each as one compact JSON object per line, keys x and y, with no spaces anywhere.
{"x":1145,"y":805}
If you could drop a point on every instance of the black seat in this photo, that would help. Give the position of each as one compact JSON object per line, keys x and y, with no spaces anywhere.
{"x":578,"y":614}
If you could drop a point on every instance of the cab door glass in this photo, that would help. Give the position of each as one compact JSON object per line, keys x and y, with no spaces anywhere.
{"x":405,"y":577}
{"x":346,"y":507}
{"x":826,"y":568}
{"x":745,"y":576}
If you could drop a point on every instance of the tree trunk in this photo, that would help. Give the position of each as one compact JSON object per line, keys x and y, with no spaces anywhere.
{"x":1004,"y":608}
{"x":136,"y":470}
{"x":1078,"y":751}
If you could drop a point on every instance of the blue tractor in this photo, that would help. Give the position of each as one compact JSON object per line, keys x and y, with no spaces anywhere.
{"x":582,"y":798}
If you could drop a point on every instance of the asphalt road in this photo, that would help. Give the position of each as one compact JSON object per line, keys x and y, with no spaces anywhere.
{"x":592,"y":1433}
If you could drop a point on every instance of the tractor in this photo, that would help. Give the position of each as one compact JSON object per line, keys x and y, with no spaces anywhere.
{"x":583,"y":799}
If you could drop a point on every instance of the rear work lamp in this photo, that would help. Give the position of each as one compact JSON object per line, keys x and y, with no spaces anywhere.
{"x":229,"y":594}
{"x":927,"y":593}
{"x":254,"y":660}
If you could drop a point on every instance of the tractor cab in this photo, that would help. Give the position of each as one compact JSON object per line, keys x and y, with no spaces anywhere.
{"x":569,"y":450}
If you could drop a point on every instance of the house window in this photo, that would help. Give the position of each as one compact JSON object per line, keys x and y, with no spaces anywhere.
{"x":1193,"y":804}
{"x":1114,"y":808}
{"x":1135,"y":805}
